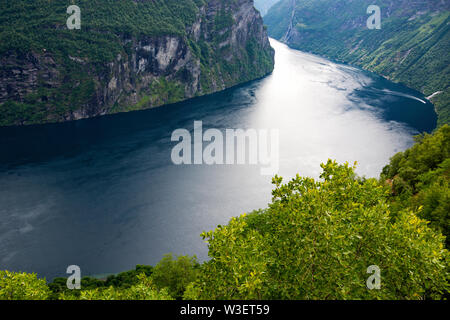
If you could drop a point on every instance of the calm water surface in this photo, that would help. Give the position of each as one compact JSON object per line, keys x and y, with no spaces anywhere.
{"x":103,"y":193}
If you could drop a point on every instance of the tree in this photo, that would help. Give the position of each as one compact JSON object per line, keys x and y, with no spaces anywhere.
{"x":143,"y":290}
{"x":316,"y":241}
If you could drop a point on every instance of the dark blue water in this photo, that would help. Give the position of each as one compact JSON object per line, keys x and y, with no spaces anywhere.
{"x":103,"y":193}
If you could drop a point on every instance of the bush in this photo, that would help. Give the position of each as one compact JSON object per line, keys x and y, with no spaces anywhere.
{"x":316,"y":241}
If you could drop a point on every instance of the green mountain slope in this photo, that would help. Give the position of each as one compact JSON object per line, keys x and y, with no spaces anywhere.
{"x":419,"y":179}
{"x":319,"y":239}
{"x":128,"y":55}
{"x":411,"y":47}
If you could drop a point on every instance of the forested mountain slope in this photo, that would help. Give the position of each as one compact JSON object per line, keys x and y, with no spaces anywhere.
{"x":128,"y":55}
{"x":411,"y":47}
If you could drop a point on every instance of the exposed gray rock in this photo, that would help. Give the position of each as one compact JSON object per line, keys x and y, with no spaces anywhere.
{"x":149,"y":69}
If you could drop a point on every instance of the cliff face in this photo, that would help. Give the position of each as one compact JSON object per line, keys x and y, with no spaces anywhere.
{"x":411,"y":47}
{"x":223,"y":43}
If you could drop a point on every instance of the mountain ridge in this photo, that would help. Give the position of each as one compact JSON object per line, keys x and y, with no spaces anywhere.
{"x":411,"y":47}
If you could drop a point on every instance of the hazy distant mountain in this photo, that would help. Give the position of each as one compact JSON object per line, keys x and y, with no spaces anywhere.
{"x":264,"y":5}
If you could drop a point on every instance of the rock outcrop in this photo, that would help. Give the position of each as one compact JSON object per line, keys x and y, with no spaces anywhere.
{"x":226,"y":45}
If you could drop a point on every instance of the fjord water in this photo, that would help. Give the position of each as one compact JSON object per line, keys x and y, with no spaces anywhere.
{"x":103,"y":193}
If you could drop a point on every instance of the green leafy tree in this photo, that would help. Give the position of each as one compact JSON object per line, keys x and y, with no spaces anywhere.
{"x":111,"y":28}
{"x":22,"y":286}
{"x":175,"y":274}
{"x":129,"y":278}
{"x":316,"y":241}
{"x":143,"y":290}
{"x":419,"y":179}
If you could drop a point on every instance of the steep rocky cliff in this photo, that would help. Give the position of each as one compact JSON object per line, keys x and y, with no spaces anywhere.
{"x":128,"y":55}
{"x":411,"y":47}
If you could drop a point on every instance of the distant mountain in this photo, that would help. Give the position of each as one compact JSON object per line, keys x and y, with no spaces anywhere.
{"x":411,"y":47}
{"x":264,"y":5}
{"x":128,"y":55}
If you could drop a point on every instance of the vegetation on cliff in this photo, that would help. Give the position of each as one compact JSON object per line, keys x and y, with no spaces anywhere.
{"x":36,"y":28}
{"x":419,"y":180}
{"x":264,"y":5}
